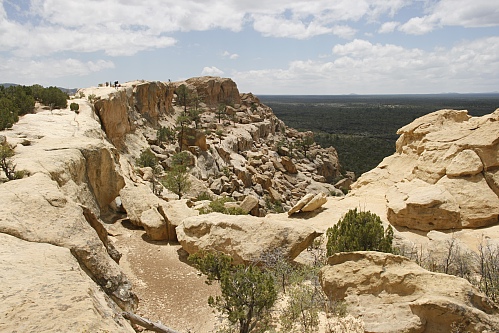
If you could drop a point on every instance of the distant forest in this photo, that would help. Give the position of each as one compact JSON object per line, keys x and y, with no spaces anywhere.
{"x":363,"y":128}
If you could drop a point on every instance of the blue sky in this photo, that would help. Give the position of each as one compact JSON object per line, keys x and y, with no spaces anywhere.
{"x":266,"y":47}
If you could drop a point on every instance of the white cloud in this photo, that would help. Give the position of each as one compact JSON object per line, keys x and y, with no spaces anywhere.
{"x":344,"y":31}
{"x":463,"y":13}
{"x":27,"y":71}
{"x":418,"y":25}
{"x":212,"y":71}
{"x":388,"y":27}
{"x":363,"y":67}
{"x":231,"y":56}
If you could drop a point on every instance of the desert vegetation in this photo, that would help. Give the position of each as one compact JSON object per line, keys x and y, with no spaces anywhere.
{"x":359,"y":231}
{"x":16,"y":101}
{"x":6,"y":164}
{"x":363,"y":128}
{"x":480,"y":268}
{"x":279,"y":294}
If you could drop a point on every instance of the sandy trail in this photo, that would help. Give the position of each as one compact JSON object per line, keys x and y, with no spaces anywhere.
{"x":169,"y":289}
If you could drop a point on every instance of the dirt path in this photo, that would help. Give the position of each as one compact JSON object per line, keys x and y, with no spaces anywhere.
{"x":169,"y":289}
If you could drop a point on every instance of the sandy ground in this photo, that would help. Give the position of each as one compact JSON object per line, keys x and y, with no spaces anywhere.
{"x":169,"y":289}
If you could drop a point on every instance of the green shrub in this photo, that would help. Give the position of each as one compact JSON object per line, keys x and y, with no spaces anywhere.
{"x":218,"y":206}
{"x":9,"y":168}
{"x":54,"y":97}
{"x":147,"y":159}
{"x":248,"y":292}
{"x":74,"y":107}
{"x":359,"y":231}
{"x":203,"y":196}
{"x":165,"y":134}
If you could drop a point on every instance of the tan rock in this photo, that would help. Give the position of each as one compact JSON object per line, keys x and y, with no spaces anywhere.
{"x":316,"y":202}
{"x":216,"y":90}
{"x":288,"y":164}
{"x":301,"y":203}
{"x":249,"y":202}
{"x":44,"y":289}
{"x":275,"y":195}
{"x":154,"y":224}
{"x":136,"y":199}
{"x":393,"y":294}
{"x":419,"y":205}
{"x":479,"y":205}
{"x":174,"y":212}
{"x":240,"y":236}
{"x":466,"y":163}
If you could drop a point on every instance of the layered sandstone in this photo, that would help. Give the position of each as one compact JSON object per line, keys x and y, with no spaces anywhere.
{"x":393,"y":294}
{"x":442,"y":175}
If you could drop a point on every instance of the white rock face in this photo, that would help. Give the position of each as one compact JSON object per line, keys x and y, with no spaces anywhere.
{"x":45,"y":290}
{"x":392,"y":294}
{"x":245,"y":238}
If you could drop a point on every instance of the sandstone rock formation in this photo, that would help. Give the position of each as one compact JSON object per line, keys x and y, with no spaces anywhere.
{"x":234,"y":154}
{"x":73,"y":178}
{"x":441,"y":176}
{"x":244,"y":238}
{"x":392,"y":294}
{"x":45,"y":290}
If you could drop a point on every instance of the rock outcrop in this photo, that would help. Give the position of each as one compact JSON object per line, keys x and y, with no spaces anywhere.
{"x":73,"y":178}
{"x":392,"y":294}
{"x":45,"y":290}
{"x":241,"y":236}
{"x":442,"y":175}
{"x":122,"y":111}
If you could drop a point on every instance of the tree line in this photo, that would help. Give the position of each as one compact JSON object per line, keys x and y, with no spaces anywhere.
{"x":16,"y":101}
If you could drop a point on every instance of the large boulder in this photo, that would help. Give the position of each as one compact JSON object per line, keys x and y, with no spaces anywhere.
{"x":393,"y":294}
{"x":443,"y":173}
{"x":240,"y":236}
{"x":44,"y":289}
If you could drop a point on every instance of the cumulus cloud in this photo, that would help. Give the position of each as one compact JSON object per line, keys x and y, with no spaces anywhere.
{"x":212,"y":71}
{"x":388,"y":27}
{"x":27,"y":71}
{"x":364,"y":67}
{"x":231,"y":56}
{"x":464,"y":13}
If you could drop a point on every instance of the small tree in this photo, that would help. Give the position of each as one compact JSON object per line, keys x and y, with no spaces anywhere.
{"x":221,"y":111}
{"x":147,"y":159}
{"x":177,"y":178}
{"x":359,"y":231}
{"x":183,"y":97}
{"x":9,"y":168}
{"x":165,"y":134}
{"x":182,"y":122}
{"x":248,"y":293}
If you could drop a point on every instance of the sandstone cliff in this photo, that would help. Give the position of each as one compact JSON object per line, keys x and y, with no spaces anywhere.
{"x":74,"y":176}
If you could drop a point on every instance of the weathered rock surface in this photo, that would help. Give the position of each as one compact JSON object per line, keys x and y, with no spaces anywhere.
{"x":392,"y":294}
{"x":73,"y":179}
{"x":309,"y":203}
{"x":243,"y":237}
{"x":441,"y":175}
{"x":120,"y":111}
{"x":45,"y":290}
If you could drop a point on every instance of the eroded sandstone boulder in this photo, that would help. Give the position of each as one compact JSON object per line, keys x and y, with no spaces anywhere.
{"x":45,"y":283}
{"x":392,"y":294}
{"x":241,"y":236}
{"x":449,"y":162}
